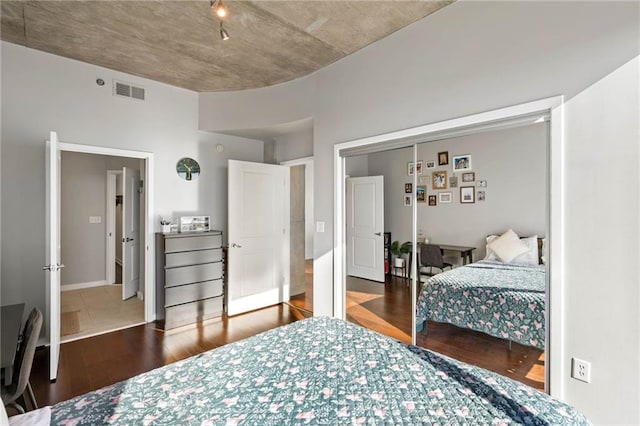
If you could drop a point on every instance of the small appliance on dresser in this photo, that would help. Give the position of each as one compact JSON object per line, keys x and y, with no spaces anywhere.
{"x":189,"y":277}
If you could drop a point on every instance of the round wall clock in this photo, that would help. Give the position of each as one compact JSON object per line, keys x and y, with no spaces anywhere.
{"x":188,"y":168}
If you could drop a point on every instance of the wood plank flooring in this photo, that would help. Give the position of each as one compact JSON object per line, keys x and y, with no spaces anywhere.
{"x":99,"y":361}
{"x":92,"y":363}
{"x":305,"y":300}
{"x":386,"y":308}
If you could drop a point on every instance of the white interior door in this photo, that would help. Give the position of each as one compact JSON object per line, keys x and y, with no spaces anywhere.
{"x":130,"y":232}
{"x":53,"y":265}
{"x":258,"y":254}
{"x":365,"y":227}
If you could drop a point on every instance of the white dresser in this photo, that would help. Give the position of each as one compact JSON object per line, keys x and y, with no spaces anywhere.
{"x":189,"y":277}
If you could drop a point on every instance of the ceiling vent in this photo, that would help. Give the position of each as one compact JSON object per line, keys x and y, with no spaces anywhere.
{"x":127,"y":90}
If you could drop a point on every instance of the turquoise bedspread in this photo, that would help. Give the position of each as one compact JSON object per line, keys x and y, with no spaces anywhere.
{"x":316,"y":371}
{"x":504,"y":301}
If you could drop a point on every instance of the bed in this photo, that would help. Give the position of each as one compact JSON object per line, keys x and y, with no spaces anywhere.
{"x":502,"y":300}
{"x":316,"y":371}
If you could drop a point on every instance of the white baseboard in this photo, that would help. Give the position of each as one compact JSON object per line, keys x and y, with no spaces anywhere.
{"x":79,"y":286}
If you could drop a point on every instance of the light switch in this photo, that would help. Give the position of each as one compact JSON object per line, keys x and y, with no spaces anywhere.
{"x":95,"y":219}
{"x":319,"y":226}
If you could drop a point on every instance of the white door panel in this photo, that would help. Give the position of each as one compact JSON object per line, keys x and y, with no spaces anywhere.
{"x":364,"y":252}
{"x":258,"y":253}
{"x":53,"y":264}
{"x":365,"y":227}
{"x":130,"y":232}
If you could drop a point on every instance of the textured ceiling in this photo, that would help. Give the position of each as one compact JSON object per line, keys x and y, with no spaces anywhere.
{"x":177,"y":42}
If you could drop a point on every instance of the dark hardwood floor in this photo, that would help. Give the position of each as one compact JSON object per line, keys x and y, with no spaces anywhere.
{"x":99,"y":361}
{"x":305,"y":300}
{"x":386,"y":308}
{"x":92,"y":363}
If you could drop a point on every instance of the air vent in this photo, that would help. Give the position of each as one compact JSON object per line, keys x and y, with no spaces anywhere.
{"x":128,"y":90}
{"x":137,"y":93}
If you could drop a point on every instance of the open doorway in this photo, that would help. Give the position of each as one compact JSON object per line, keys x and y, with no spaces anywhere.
{"x":96,"y":206}
{"x":301,"y":228}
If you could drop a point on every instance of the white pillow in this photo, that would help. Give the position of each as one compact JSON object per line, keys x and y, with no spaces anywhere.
{"x":529,"y":257}
{"x":508,"y":246}
{"x":491,"y":255}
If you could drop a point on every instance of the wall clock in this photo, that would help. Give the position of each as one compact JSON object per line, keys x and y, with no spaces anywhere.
{"x":188,"y":168}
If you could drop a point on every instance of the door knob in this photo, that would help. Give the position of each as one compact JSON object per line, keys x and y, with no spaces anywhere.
{"x":379,"y":234}
{"x":126,"y":240}
{"x":234,"y":245}
{"x":53,"y":268}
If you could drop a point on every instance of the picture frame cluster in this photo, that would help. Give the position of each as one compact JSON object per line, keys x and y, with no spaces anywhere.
{"x":441,"y":181}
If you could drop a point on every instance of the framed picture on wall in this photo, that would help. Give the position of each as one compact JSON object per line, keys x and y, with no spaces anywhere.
{"x":453,"y":182}
{"x":408,"y":200}
{"x":430,"y":164}
{"x":462,"y":163}
{"x":445,"y":197}
{"x":443,"y":158}
{"x":467,"y":194}
{"x":418,"y":167}
{"x":408,"y":188}
{"x":432,"y":200}
{"x":468,"y":177}
{"x":421,"y":194}
{"x":439,"y":179}
{"x":410,"y":168}
{"x":481,"y":196}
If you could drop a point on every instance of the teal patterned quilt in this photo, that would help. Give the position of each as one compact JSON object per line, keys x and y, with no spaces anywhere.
{"x":505,"y":301}
{"x":318,"y":371}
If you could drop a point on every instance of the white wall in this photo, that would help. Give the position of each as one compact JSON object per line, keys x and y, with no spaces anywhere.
{"x":603,"y":255}
{"x":43,"y":92}
{"x":468,"y":58}
{"x":511,"y":161}
{"x":357,"y":166}
{"x":294,"y":145}
{"x":83,"y":193}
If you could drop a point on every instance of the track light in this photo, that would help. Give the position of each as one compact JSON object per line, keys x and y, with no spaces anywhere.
{"x":218,"y":8}
{"x":224,"y":35}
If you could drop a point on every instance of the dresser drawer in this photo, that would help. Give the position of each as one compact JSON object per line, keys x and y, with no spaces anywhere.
{"x":192,"y":292}
{"x":186,"y":258}
{"x":199,"y":242}
{"x":192,"y":274}
{"x":189,"y":313}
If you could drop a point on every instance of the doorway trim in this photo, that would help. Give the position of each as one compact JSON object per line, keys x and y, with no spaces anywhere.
{"x":549,"y":108}
{"x":149,"y":258}
{"x":308,"y":197}
{"x":112,"y":176}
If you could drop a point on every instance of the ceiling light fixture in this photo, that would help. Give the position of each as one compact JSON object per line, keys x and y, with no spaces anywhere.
{"x":224,"y":35}
{"x":220,"y":12}
{"x":219,"y":9}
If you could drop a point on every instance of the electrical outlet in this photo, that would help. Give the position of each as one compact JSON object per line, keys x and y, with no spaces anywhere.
{"x":581,"y":370}
{"x":95,"y":219}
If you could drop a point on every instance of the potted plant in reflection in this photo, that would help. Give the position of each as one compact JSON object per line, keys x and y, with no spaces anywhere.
{"x":399,"y":250}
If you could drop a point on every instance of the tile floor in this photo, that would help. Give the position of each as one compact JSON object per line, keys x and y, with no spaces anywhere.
{"x":101,"y":309}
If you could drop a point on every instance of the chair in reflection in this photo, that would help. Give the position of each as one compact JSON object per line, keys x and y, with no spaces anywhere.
{"x":20,"y":385}
{"x":431,"y":257}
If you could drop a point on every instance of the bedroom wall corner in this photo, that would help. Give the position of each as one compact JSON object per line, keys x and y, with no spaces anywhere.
{"x":602,"y":298}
